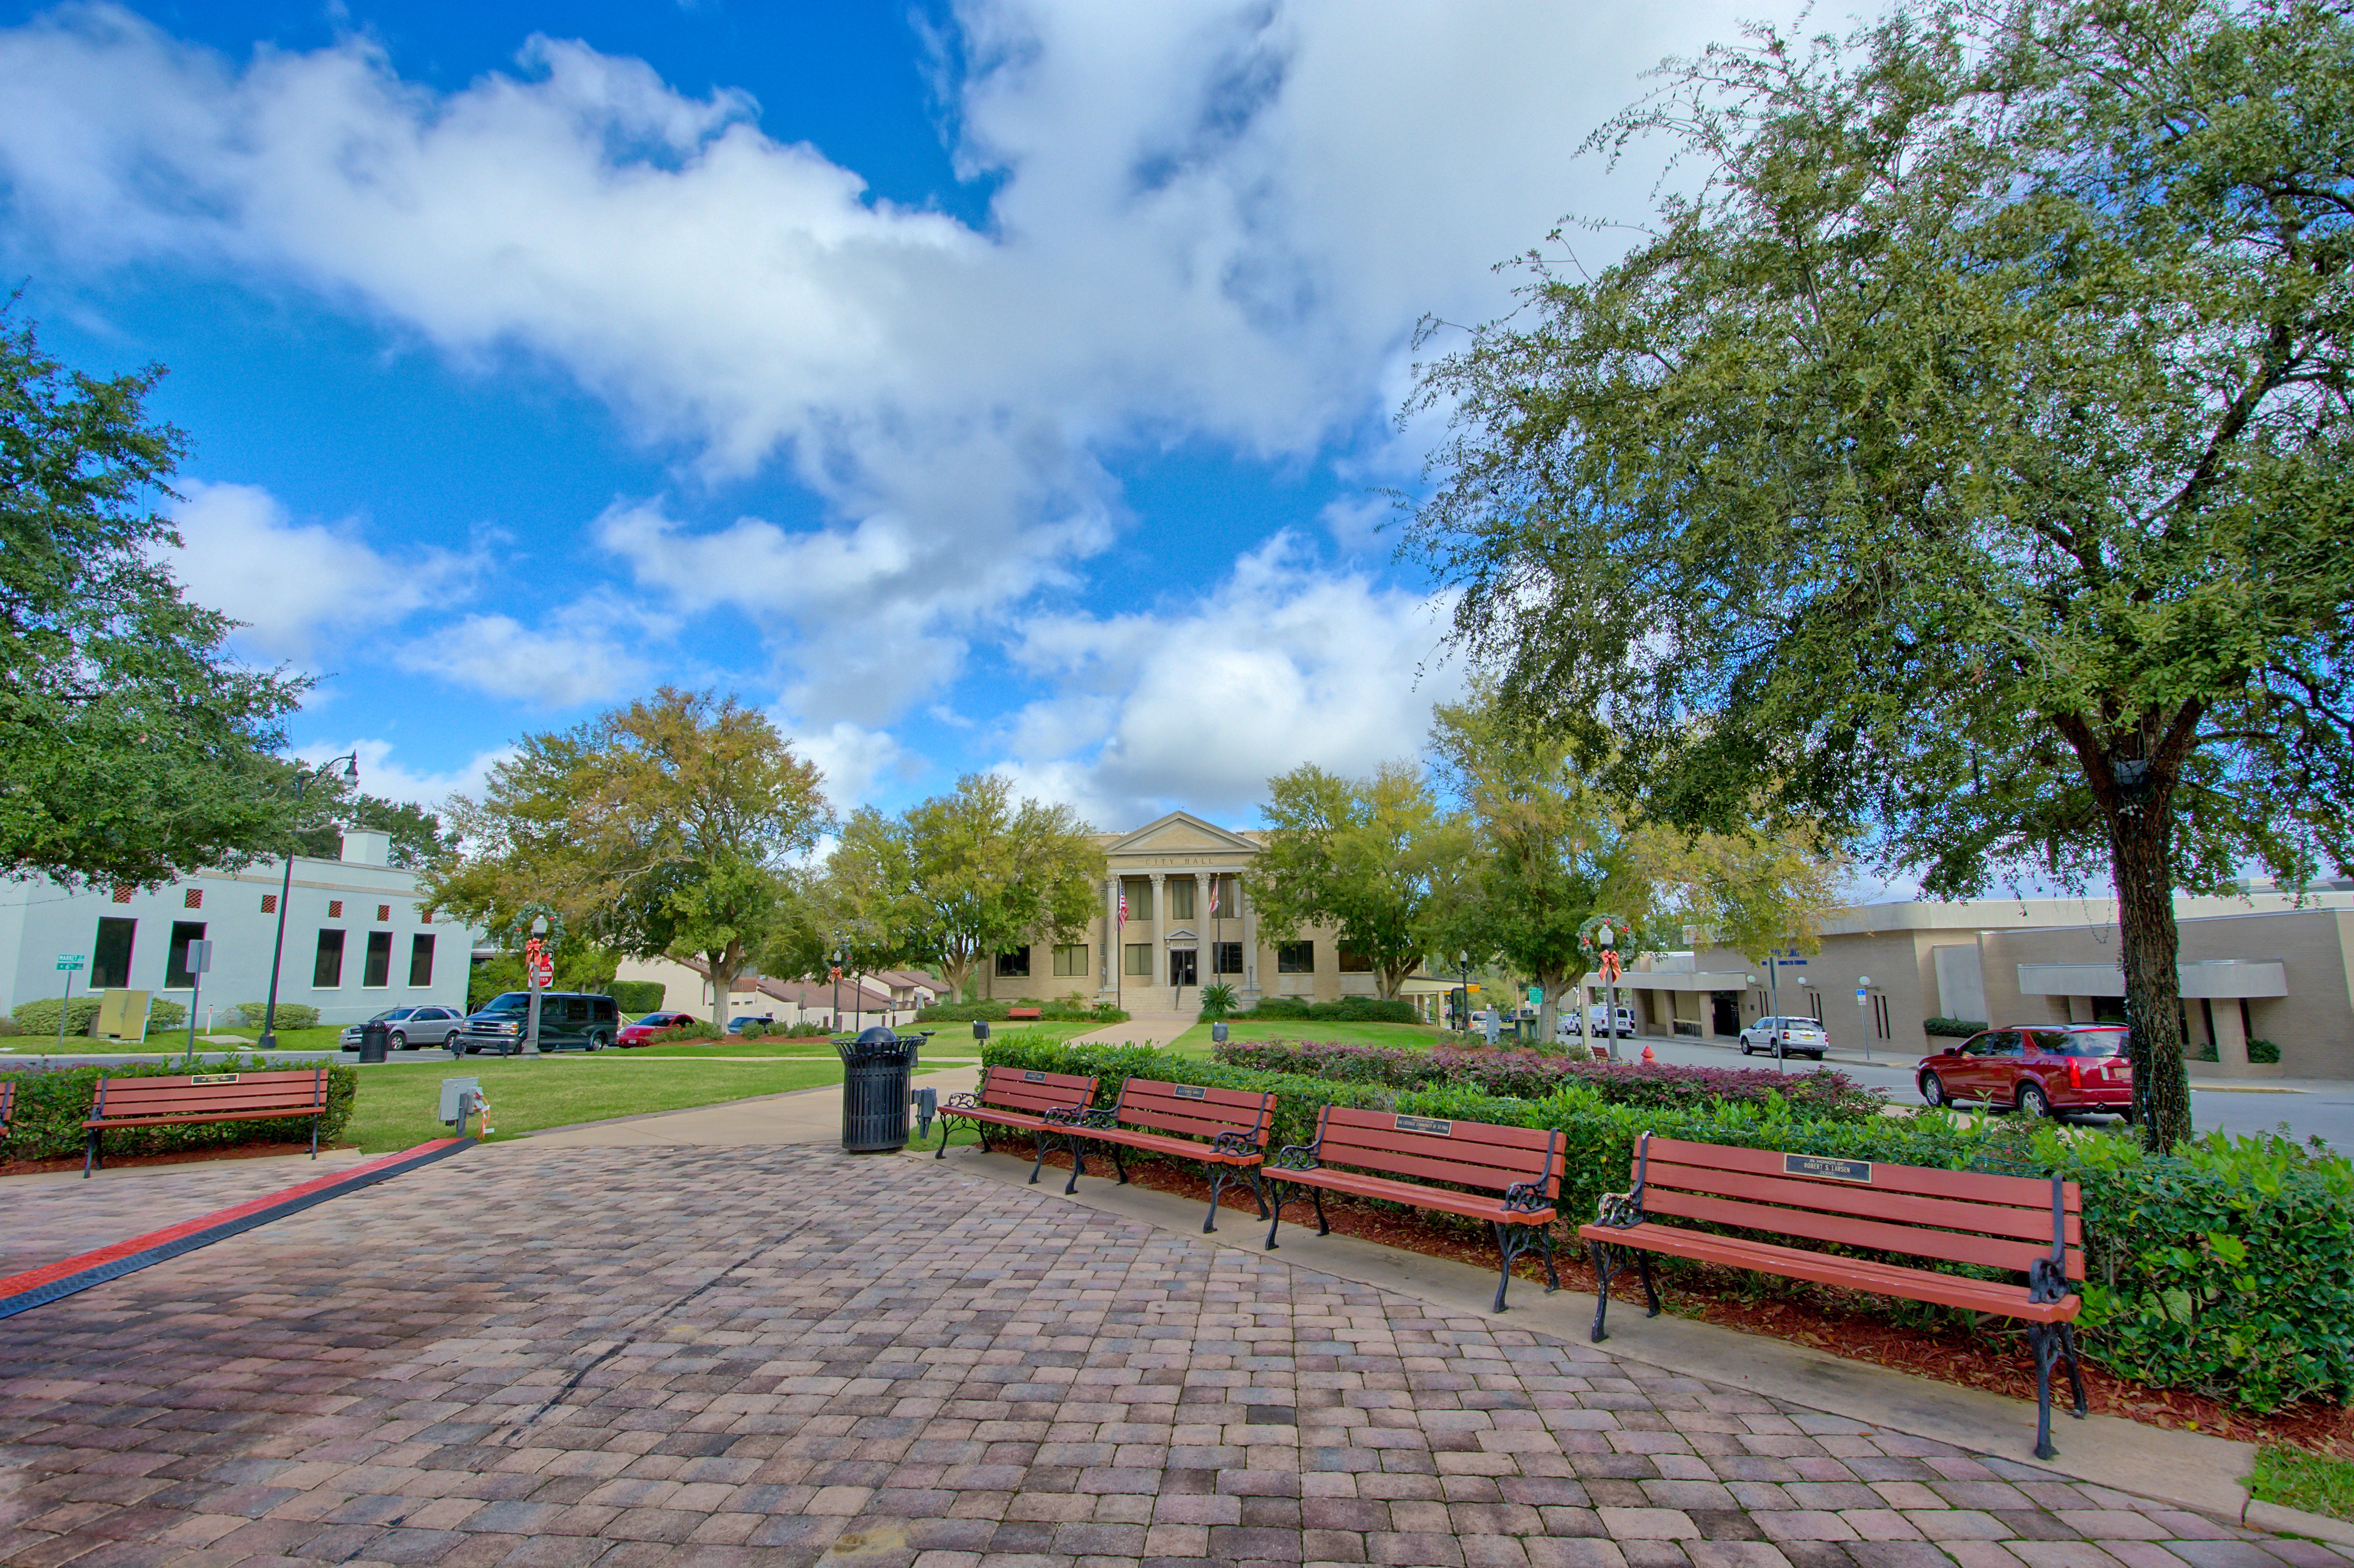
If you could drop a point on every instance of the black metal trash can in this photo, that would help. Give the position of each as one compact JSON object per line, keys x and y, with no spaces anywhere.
{"x":875,"y":1068}
{"x":374,"y":1036}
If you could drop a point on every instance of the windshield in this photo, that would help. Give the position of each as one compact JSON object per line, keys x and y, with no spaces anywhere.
{"x":655,"y":1018}
{"x":394,"y":1016}
{"x":508,"y":1002}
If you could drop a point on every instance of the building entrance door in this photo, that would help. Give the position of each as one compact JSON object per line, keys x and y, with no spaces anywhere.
{"x":1727,"y":1018}
{"x":1182,"y":967}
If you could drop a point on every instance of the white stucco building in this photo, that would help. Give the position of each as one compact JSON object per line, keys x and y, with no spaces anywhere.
{"x":358,"y":939}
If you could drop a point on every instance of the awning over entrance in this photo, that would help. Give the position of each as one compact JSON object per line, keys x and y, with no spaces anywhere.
{"x":2215,"y":979}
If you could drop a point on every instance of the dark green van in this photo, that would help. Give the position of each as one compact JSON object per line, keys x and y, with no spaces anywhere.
{"x":568,"y":1021}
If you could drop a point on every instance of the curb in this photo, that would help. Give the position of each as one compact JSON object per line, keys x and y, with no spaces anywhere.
{"x":2283,"y":1520}
{"x":52,"y":1282}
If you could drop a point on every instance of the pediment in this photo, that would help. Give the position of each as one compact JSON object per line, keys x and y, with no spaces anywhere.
{"x":1181,"y":935}
{"x":1180,"y":832}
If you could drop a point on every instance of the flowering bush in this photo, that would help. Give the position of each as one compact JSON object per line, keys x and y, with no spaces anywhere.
{"x":1534,"y":1074}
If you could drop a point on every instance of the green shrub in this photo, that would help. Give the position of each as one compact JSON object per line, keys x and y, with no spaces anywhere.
{"x":291,"y":1015}
{"x":634,"y":999}
{"x":52,"y":1104}
{"x":2264,"y":1052}
{"x":693,"y":1029}
{"x":39,"y":1016}
{"x":1953,"y":1028}
{"x":1348,"y":1009}
{"x":963,"y":1011}
{"x":1298,"y":1099}
{"x":1217,"y":1001}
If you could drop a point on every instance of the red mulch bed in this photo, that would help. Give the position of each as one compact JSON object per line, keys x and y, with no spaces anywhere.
{"x":177,"y":1157}
{"x":1838,"y":1322}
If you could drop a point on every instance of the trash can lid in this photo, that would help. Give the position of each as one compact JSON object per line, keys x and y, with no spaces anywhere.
{"x":878,"y":1035}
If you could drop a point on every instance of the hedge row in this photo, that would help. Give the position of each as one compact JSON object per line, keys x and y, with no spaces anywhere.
{"x":1534,"y":1074}
{"x":39,"y":1016}
{"x":52,"y":1104}
{"x":1348,"y":1009}
{"x":2226,"y":1268}
{"x":995,"y":1011}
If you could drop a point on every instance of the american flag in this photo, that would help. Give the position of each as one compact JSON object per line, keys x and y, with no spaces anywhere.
{"x":1217,"y":886}
{"x":1123,"y":906}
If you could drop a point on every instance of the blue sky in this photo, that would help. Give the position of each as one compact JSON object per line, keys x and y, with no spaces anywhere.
{"x":1005,"y":385}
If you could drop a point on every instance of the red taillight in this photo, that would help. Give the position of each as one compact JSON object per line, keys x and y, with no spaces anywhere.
{"x":2075,"y":1074}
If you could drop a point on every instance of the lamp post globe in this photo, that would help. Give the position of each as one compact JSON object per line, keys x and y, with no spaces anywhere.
{"x":303,"y":774}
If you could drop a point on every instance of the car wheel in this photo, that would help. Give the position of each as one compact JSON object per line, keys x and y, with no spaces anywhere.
{"x":1744,"y":1044}
{"x":1933,"y":1091}
{"x":2033,"y":1100}
{"x":595,"y":1042}
{"x":396,"y":1041}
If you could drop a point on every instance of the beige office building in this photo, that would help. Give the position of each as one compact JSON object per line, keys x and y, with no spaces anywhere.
{"x":1190,"y":921}
{"x":2263,"y":965}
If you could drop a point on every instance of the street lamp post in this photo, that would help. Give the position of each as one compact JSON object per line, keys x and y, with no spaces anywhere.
{"x":303,"y":774}
{"x":532,"y":950}
{"x":834,"y":962}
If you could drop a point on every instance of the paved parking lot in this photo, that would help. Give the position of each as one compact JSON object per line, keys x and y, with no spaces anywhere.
{"x":641,"y":1357}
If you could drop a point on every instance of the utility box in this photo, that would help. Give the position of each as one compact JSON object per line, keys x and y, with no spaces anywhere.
{"x":459,"y":1098}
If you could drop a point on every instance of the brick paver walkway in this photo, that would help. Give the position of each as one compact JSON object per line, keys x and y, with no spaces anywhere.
{"x":50,"y":1218}
{"x":662,"y":1358}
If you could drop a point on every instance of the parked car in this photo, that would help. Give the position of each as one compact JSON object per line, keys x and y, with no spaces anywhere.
{"x":411,"y":1026}
{"x":1786,"y":1037}
{"x":643,"y":1031}
{"x":2042,"y":1069}
{"x":568,"y":1021}
{"x":1568,"y":1026}
{"x":765,"y":1020}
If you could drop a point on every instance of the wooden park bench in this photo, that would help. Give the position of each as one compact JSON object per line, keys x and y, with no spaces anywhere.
{"x":1400,"y":1159}
{"x":2022,"y":1223}
{"x":1018,"y":1098}
{"x":203,"y":1097}
{"x":1225,"y":1130}
{"x":7,"y":1106}
{"x":1023,"y":1014}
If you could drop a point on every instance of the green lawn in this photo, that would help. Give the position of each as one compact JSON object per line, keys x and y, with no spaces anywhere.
{"x":2295,"y":1479}
{"x":397,"y":1105}
{"x":1195,"y":1042}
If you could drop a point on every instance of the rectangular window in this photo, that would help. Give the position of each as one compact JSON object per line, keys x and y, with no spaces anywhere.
{"x":1880,"y":1015}
{"x":384,"y":912}
{"x":1137,"y":958}
{"x":110,"y":956}
{"x":328,"y":969}
{"x":575,"y":1010}
{"x":1295,"y":957}
{"x":1071,"y":959}
{"x":1352,"y":963}
{"x":122,"y":895}
{"x":1229,"y":893}
{"x":193,"y":898}
{"x":377,"y":970}
{"x":269,"y":903}
{"x":177,"y":972}
{"x":420,"y":961}
{"x":1181,"y":898}
{"x":1814,"y":1004}
{"x":1014,"y":965}
{"x":600,"y":1009}
{"x":335,"y":908}
{"x":1227,"y":957}
{"x":1140,"y":898}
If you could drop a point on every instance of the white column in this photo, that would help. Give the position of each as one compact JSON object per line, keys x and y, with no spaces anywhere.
{"x":1159,"y":979}
{"x":1250,"y":941}
{"x":1111,"y":943}
{"x":1202,"y":946}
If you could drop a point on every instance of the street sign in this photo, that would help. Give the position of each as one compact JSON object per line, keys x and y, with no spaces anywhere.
{"x":71,"y":960}
{"x":200,"y":956}
{"x":543,"y":971}
{"x":1536,"y":996}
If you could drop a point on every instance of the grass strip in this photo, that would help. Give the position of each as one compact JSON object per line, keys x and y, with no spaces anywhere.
{"x":396,"y":1110}
{"x":2295,"y":1479}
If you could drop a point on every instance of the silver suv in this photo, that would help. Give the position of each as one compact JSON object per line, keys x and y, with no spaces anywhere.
{"x":1786,"y":1037}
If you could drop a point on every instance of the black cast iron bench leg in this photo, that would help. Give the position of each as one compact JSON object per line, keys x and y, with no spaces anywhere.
{"x":1039,"y":1140}
{"x":1275,"y":1189}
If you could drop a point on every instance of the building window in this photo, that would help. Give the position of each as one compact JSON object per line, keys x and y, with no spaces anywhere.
{"x":1071,"y":959}
{"x":1138,"y":891}
{"x":328,"y":969}
{"x":1181,"y":898}
{"x":110,"y":956}
{"x":1014,"y":965}
{"x":1879,"y":1016}
{"x":420,"y":961}
{"x":376,"y":969}
{"x":193,"y":898}
{"x":335,"y":908}
{"x":1295,"y":957}
{"x":425,"y":916}
{"x":269,"y":903}
{"x":1355,"y":963}
{"x":123,"y":894}
{"x":1226,"y":893}
{"x":177,"y":972}
{"x":1137,"y":958}
{"x":383,"y":912}
{"x":1226,"y":957}
{"x":1814,"y":1004}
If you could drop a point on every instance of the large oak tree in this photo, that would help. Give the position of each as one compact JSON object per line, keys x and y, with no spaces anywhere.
{"x":1964,"y":457}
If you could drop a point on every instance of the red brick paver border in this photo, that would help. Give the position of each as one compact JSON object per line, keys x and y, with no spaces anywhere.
{"x":680,"y":1358}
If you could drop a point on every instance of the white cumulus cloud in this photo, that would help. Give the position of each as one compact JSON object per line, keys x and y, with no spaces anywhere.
{"x":561,"y":665}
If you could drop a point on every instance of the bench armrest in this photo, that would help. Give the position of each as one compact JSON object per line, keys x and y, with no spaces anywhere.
{"x":2048,"y":1281}
{"x":1294,"y":1157}
{"x":1526,"y":1197}
{"x":961,"y":1102}
{"x":1235,"y":1143}
{"x":1620,"y":1211}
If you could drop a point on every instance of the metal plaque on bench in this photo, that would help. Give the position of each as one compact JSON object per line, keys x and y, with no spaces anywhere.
{"x":1191,"y":1092}
{"x":1034,"y":1077}
{"x":1429,"y":1123}
{"x":214,"y":1078}
{"x":1822,"y":1168}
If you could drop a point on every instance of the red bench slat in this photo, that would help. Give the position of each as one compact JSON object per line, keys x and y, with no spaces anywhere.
{"x":1178,"y":1116}
{"x":1018,"y":1098}
{"x":183,"y":1100}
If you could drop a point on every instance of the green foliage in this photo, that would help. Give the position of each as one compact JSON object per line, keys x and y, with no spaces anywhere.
{"x":2292,"y":1477}
{"x":963,"y":1011}
{"x":136,"y":750}
{"x":697,"y":1029}
{"x":52,"y":1105}
{"x":959,"y":877}
{"x":1368,"y":857}
{"x":1952,"y":1028}
{"x":39,"y":1016}
{"x":1218,"y":1000}
{"x":1965,"y":458}
{"x":2264,"y":1052}
{"x":1348,"y":1009}
{"x":636,"y":998}
{"x":1298,"y":1099}
{"x":291,"y":1015}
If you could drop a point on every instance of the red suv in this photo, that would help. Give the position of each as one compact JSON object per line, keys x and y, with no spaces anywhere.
{"x":2042,"y":1069}
{"x":643,"y":1031}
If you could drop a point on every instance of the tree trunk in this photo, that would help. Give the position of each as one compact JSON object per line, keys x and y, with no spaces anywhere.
{"x":2149,"y":945}
{"x":1390,"y":980}
{"x":955,"y":973}
{"x":1549,"y":1012}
